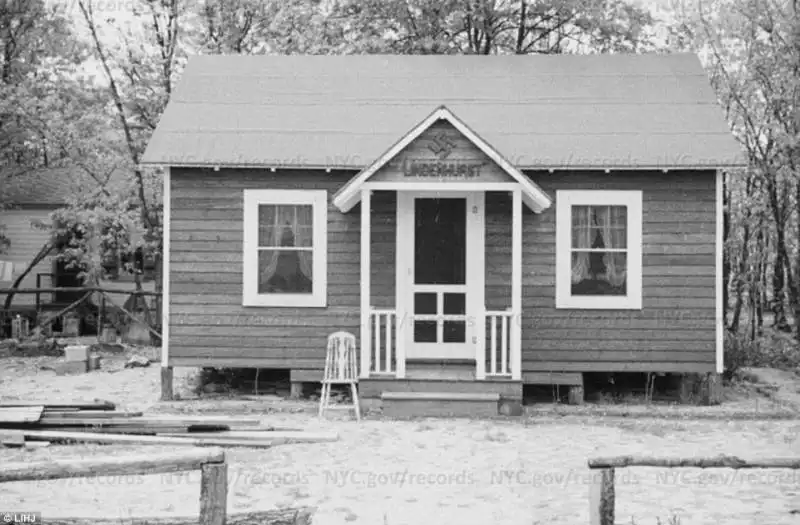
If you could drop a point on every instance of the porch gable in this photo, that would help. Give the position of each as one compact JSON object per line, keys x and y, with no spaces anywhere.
{"x":441,"y":149}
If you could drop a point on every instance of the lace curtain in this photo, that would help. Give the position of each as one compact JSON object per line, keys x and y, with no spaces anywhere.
{"x":285,"y":248}
{"x":595,"y":231}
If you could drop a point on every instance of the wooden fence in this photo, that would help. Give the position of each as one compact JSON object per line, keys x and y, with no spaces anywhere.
{"x":601,"y":490}
{"x":211,"y":463}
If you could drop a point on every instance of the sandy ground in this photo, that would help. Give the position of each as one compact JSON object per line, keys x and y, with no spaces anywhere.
{"x":524,"y":471}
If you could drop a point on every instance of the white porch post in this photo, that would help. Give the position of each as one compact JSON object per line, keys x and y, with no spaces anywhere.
{"x":366,"y":237}
{"x":404,"y":206}
{"x":478,"y":237}
{"x":516,"y":287}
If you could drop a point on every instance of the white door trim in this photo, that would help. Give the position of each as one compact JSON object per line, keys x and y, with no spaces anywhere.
{"x":475,"y":277}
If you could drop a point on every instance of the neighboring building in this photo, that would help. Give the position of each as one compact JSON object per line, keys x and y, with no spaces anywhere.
{"x":30,"y":198}
{"x":514,"y":219}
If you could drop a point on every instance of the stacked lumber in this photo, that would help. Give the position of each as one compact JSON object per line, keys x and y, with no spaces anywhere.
{"x":23,"y":423}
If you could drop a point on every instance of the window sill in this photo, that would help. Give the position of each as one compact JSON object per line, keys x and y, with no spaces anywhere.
{"x":285,"y":301}
{"x":599,"y":303}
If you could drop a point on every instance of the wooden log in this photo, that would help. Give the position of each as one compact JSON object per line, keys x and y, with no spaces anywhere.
{"x":601,"y":497}
{"x":167,"y":393}
{"x":213,"y":493}
{"x":291,"y":516}
{"x":709,"y":462}
{"x":156,"y":463}
{"x":114,"y":438}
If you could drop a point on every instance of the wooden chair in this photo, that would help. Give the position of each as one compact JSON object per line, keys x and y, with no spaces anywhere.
{"x":340,"y":369}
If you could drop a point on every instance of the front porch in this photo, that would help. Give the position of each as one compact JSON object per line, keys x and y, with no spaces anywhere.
{"x":437,"y":326}
{"x":441,"y":316}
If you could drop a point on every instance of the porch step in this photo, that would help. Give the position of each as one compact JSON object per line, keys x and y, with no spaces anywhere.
{"x":376,"y":387}
{"x":441,"y":371}
{"x":440,"y":404}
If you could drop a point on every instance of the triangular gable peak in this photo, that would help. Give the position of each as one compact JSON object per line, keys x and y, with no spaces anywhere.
{"x":441,"y":147}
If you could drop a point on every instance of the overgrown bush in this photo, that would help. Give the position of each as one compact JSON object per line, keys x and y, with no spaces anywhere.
{"x":740,"y":351}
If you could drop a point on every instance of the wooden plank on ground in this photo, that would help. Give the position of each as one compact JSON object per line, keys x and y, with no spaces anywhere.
{"x":29,"y":414}
{"x":87,"y":414}
{"x":209,"y":420}
{"x":282,"y":437}
{"x":156,"y":463}
{"x":114,"y":438}
{"x":298,"y":516}
{"x":133,"y":422}
{"x":11,"y":440}
{"x":96,"y":405}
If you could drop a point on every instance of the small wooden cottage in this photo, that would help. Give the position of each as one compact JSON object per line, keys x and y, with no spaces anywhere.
{"x":479,"y":222}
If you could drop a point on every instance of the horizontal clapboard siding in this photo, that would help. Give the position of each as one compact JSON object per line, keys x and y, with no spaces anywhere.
{"x":208,"y":324}
{"x":25,"y":242}
{"x":675,"y":330}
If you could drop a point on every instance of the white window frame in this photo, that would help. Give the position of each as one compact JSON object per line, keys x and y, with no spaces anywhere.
{"x":316,"y":198}
{"x":565,"y":200}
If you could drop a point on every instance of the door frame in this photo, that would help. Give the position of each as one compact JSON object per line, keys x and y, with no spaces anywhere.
{"x":475,"y":279}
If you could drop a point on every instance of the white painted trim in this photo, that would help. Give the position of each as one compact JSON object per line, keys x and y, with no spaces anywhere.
{"x":479,"y":294}
{"x":402,"y":274}
{"x":565,"y":199}
{"x":475,"y":275}
{"x":516,"y":287}
{"x":252,"y":199}
{"x":366,"y":245}
{"x":347,"y":197}
{"x":720,"y":250}
{"x":165,"y":241}
{"x":531,"y":167}
{"x":420,"y":186}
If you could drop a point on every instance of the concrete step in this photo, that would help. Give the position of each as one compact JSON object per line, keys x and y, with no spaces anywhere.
{"x":439,"y":404}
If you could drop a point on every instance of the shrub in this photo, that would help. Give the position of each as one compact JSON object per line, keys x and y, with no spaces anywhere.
{"x":740,"y":351}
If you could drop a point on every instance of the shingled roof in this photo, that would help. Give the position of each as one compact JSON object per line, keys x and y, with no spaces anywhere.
{"x":557,"y":112}
{"x":52,"y":187}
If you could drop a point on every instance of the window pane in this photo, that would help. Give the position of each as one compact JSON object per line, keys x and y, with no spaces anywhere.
{"x":285,"y":225}
{"x":440,"y":237}
{"x":285,"y":271}
{"x":455,"y":304}
{"x":581,"y":226}
{"x":599,"y":227}
{"x":425,"y":303}
{"x":454,"y":332}
{"x":424,"y":331}
{"x":599,"y":273}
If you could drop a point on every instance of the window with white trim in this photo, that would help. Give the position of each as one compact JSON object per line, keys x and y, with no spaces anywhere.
{"x":285,"y":248}
{"x":599,"y":249}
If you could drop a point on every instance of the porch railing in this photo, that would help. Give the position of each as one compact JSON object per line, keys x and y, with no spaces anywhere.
{"x":383,"y":325}
{"x":499,"y":347}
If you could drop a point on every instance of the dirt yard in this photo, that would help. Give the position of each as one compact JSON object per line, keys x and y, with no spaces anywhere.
{"x":519,"y":471}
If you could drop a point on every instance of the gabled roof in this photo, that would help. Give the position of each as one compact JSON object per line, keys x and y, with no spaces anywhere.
{"x":533,"y":196}
{"x":538,"y":111}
